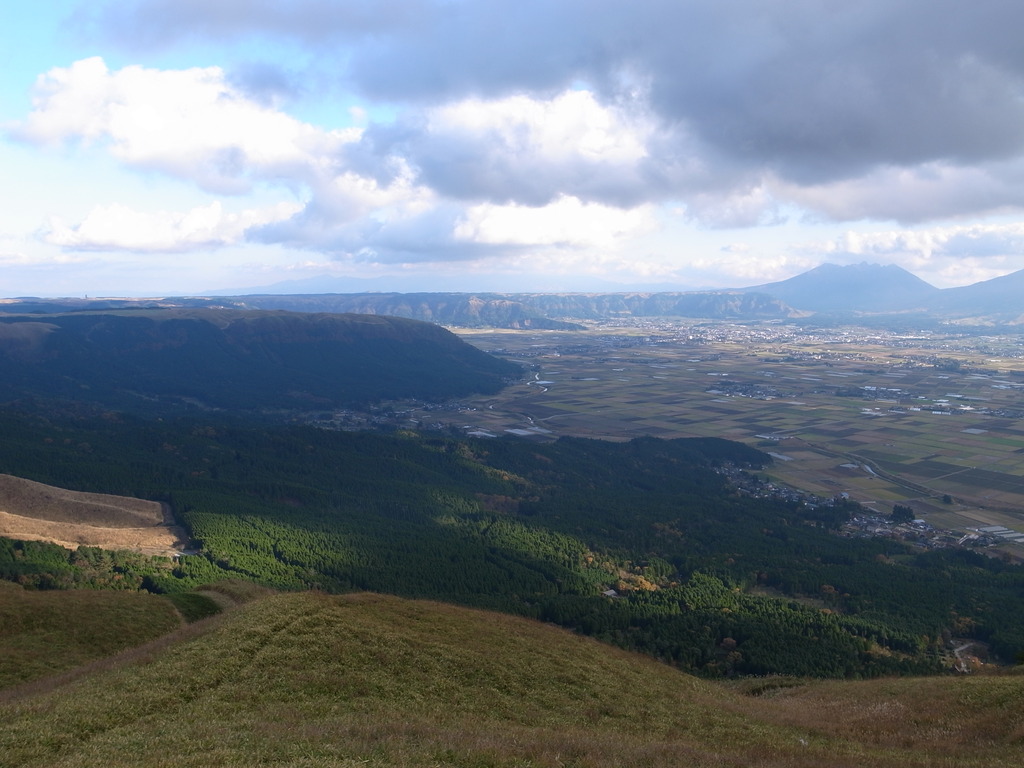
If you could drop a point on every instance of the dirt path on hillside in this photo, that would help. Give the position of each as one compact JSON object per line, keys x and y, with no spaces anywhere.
{"x":36,"y":512}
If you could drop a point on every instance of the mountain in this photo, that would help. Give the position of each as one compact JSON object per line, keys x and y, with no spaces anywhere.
{"x":513,"y":311}
{"x":361,"y":679}
{"x":148,"y":360}
{"x":536,"y":311}
{"x":866,"y":289}
{"x":853,"y":288}
{"x":999,"y":296}
{"x":726,"y":305}
{"x":530,"y":310}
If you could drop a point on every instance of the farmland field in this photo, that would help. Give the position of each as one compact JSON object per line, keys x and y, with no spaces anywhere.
{"x":933,"y":420}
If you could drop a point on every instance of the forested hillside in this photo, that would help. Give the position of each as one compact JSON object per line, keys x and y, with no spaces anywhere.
{"x":541,"y":530}
{"x":166,"y":360}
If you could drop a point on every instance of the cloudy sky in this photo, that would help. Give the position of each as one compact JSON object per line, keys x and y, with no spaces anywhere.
{"x":159,"y":147}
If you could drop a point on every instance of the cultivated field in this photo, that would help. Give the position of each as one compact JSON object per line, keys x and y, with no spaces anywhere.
{"x":934,"y":421}
{"x":35,"y":512}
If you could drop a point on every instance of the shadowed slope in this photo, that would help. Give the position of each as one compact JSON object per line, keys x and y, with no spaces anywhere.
{"x":46,"y":632}
{"x":235,"y":360}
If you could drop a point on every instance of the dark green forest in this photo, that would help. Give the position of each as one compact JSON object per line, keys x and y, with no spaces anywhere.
{"x":704,"y":578}
{"x":160,"y":362}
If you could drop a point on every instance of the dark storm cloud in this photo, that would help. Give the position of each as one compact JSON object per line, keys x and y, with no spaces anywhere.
{"x":806,"y":91}
{"x":822,"y":90}
{"x":142,"y":24}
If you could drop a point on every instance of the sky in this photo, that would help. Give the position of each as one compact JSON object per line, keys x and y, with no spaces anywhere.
{"x":175,"y":147}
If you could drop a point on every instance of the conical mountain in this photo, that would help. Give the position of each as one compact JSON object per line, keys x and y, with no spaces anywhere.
{"x":853,"y":288}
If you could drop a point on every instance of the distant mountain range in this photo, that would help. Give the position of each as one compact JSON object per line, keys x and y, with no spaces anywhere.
{"x":151,"y":360}
{"x":858,"y":290}
{"x":889,"y":289}
{"x":537,"y":311}
{"x":530,"y":310}
{"x":1001,"y":295}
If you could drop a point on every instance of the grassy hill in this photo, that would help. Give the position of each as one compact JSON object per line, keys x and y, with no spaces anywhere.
{"x":315,"y":680}
{"x":46,"y":632}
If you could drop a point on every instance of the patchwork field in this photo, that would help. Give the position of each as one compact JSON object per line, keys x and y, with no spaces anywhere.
{"x":934,"y":421}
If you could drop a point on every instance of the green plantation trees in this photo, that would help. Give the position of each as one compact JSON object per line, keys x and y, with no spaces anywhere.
{"x":641,"y":544}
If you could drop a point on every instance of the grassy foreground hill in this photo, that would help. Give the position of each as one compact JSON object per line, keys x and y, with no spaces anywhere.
{"x":315,"y":680}
{"x":46,"y":632}
{"x":43,"y":632}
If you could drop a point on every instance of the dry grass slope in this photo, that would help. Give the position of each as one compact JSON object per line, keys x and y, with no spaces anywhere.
{"x":32,"y":511}
{"x":313,"y":680}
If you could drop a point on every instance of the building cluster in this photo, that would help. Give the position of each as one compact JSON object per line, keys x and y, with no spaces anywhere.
{"x":866,"y":523}
{"x":916,"y":532}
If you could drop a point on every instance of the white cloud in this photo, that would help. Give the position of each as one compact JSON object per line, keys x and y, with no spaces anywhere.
{"x":119,"y":228}
{"x":736,"y":208}
{"x":23,"y":259}
{"x":742,"y":267}
{"x":929,"y":191}
{"x":348,"y":195}
{"x":571,"y":125}
{"x":187,"y":123}
{"x":525,"y":149}
{"x":961,"y":240}
{"x":944,"y":256}
{"x":552,"y":156}
{"x":814,"y":91}
{"x":566,"y":222}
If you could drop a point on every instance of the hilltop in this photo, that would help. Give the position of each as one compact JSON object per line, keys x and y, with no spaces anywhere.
{"x":362,"y":679}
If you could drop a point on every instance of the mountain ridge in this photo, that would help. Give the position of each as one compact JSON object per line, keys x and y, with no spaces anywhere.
{"x":857,"y":290}
{"x":147,"y":359}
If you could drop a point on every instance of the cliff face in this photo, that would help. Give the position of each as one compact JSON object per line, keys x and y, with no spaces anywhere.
{"x":145,"y":360}
{"x":553,"y":311}
{"x":537,"y":311}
